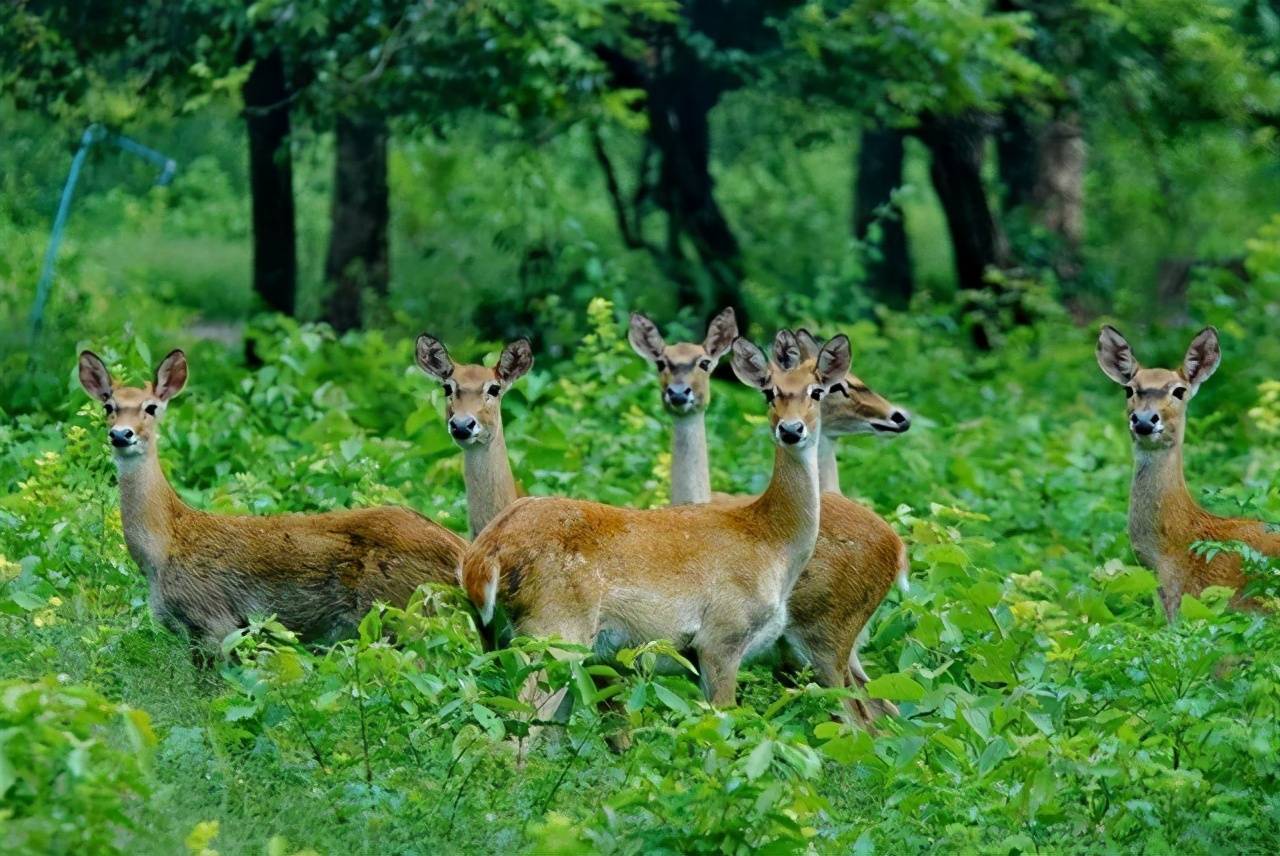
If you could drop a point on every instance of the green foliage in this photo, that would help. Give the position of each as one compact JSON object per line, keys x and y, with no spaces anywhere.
{"x":71,"y":768}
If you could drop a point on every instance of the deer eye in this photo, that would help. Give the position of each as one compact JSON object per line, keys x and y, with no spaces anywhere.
{"x":661,"y":364}
{"x":1128,"y":392}
{"x":705,"y":365}
{"x":1180,"y":392}
{"x":493,"y":390}
{"x":448,"y":388}
{"x":816,"y":393}
{"x":151,"y":409}
{"x":109,"y":408}
{"x":769,"y":395}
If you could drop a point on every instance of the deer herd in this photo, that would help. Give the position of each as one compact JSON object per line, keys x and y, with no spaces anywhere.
{"x":799,"y":568}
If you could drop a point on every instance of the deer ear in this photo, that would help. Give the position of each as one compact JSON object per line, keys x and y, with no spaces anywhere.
{"x":721,"y":332}
{"x":515,"y":362}
{"x":833,"y":361}
{"x":433,"y":358}
{"x":1115,"y":357}
{"x":94,"y":376}
{"x":171,"y":375}
{"x":1202,"y":357}
{"x":786,"y":350}
{"x":645,"y":338}
{"x":809,"y":344}
{"x":750,"y":364}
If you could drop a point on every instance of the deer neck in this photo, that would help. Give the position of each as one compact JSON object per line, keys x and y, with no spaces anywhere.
{"x":690,"y":472}
{"x":148,"y":508}
{"x":490,"y":485}
{"x":828,"y":469}
{"x":1159,"y":490}
{"x":790,"y":506}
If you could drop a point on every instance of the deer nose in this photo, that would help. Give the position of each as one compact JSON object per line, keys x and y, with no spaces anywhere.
{"x":791,"y":432}
{"x":1145,"y":422}
{"x":462,"y":427}
{"x":121,"y":437}
{"x":901,"y":418}
{"x":679,"y":395}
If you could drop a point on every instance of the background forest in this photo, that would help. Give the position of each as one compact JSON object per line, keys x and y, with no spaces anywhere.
{"x":967,"y":188}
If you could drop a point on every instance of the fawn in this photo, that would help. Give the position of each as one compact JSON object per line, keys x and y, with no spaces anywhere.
{"x":857,"y":557}
{"x":1164,"y":519}
{"x":714,"y":578}
{"x":207,"y":573}
{"x":473,"y":414}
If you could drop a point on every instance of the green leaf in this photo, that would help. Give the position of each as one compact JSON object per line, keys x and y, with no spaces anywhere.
{"x":1193,"y":608}
{"x":671,"y":700}
{"x":759,"y":760}
{"x":895,"y":687}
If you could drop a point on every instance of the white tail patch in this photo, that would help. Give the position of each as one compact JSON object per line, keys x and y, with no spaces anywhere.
{"x":490,"y":593}
{"x":904,"y":570}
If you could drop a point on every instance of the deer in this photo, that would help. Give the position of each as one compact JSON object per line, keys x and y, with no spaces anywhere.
{"x":473,"y":415}
{"x":857,"y":558}
{"x":207,"y":574}
{"x":713,"y":578}
{"x":1164,"y":518}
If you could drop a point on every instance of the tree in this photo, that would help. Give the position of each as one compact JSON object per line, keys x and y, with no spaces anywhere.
{"x":684,"y":65}
{"x":878,"y":176}
{"x":935,"y":70}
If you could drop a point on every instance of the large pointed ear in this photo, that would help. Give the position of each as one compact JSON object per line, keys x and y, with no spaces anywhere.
{"x":833,"y":361}
{"x":809,"y":344}
{"x":1115,"y":356}
{"x":1202,"y":358}
{"x":750,"y":364}
{"x":516,"y":360}
{"x":721,"y":332}
{"x":171,"y":376}
{"x":645,"y":338}
{"x":94,"y":376}
{"x":432,"y":357}
{"x":786,"y":350}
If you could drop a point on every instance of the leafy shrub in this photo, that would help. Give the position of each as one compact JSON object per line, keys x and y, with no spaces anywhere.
{"x":70,"y":764}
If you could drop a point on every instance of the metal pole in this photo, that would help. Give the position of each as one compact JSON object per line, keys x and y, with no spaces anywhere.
{"x":89,"y":137}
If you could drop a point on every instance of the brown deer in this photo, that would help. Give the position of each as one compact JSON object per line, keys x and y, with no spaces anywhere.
{"x":473,"y":414}
{"x":317,"y":573}
{"x":1164,"y":519}
{"x":858,"y":556}
{"x":714,"y":578}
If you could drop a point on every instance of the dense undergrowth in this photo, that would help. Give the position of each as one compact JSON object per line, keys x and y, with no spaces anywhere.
{"x":1045,"y":704}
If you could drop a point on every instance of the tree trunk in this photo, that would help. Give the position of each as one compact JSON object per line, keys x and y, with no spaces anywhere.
{"x":275,"y":264}
{"x":1017,"y":151}
{"x":358,"y":258}
{"x":1042,"y":172}
{"x":679,"y":103}
{"x":977,"y":241}
{"x":880,"y":158}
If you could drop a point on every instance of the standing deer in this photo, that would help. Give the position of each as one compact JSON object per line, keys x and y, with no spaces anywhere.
{"x":208,"y":573}
{"x":473,"y":413}
{"x":857,"y":557}
{"x":1164,"y":519}
{"x":715,"y":578}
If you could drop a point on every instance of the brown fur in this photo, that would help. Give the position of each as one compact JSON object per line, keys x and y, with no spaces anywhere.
{"x":710,"y":577}
{"x":318,"y":573}
{"x":1164,"y":519}
{"x":857,"y":556}
{"x":473,"y":415}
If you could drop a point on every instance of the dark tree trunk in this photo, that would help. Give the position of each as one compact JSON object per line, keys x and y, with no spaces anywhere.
{"x":357,"y":258}
{"x":977,"y":241}
{"x":275,"y":265}
{"x":1017,"y":150}
{"x":679,"y":104}
{"x":880,"y":158}
{"x":1042,"y":176}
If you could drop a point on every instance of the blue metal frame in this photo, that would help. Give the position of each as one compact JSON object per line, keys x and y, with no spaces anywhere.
{"x":95,"y":133}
